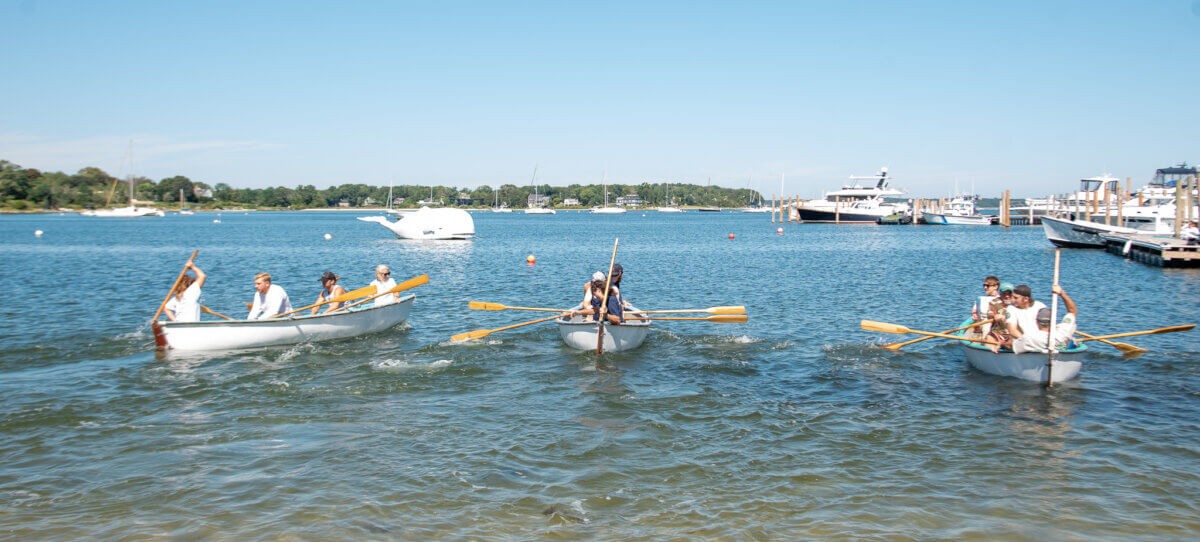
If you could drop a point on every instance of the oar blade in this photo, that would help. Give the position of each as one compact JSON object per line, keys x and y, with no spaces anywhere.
{"x":353,"y":294}
{"x":727,"y":310}
{"x":485,"y":306}
{"x":883,"y":327}
{"x":411,"y":283}
{"x":477,"y":334}
{"x":729,"y":318}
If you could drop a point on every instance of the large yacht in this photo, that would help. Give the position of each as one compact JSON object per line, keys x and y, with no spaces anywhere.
{"x":854,"y":203}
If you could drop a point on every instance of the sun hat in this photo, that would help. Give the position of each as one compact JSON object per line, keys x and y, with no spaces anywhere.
{"x":1006,"y":287}
{"x":598,"y":275}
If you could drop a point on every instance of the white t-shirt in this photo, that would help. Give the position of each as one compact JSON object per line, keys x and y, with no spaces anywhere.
{"x":381,"y":287}
{"x":275,"y":301}
{"x":1035,"y":341}
{"x":1026,"y":319}
{"x":187,"y":307}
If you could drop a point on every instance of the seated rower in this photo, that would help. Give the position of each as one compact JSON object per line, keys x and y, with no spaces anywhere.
{"x":1021,"y":317}
{"x":614,"y":312}
{"x":1037,"y":341}
{"x":330,"y":289}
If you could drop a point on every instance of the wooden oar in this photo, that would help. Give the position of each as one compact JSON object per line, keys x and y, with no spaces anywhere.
{"x":486,"y":306}
{"x":1129,"y":349}
{"x":365,"y":290}
{"x":410,"y":283}
{"x":480,"y":333}
{"x":214,"y":313}
{"x":182,"y":272}
{"x":897,"y":346}
{"x":711,"y":310}
{"x":885,"y":327}
{"x":1170,"y":329}
{"x":604,"y":300}
{"x":718,"y":318}
{"x":1053,"y":320}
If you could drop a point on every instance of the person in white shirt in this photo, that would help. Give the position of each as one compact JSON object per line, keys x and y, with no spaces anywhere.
{"x":269,"y":299}
{"x":1022,"y":315}
{"x":382,"y":283}
{"x":1191,"y":233}
{"x":184,"y":306}
{"x":1037,"y":341}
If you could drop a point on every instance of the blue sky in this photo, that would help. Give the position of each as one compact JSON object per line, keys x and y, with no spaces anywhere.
{"x":1021,"y":95}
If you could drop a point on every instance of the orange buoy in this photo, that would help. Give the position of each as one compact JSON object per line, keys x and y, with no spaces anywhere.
{"x":530,"y":259}
{"x":731,"y":236}
{"x":779,"y":231}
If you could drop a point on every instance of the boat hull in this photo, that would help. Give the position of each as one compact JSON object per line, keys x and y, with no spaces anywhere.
{"x":941,"y":219}
{"x":846,"y":216}
{"x":1078,"y":233}
{"x":1027,"y":366}
{"x":540,"y":211}
{"x":429,"y":224}
{"x":243,"y":334}
{"x":581,"y":335}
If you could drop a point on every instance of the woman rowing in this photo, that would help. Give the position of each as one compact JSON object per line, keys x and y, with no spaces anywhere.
{"x":184,"y":305}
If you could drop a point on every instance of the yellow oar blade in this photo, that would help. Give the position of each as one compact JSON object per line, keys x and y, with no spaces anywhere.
{"x":884,"y":327}
{"x":354,"y":294}
{"x":411,"y":283}
{"x":897,"y":346}
{"x":485,"y":306}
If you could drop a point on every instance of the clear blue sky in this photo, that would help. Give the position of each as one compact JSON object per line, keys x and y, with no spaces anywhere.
{"x":1024,"y":95}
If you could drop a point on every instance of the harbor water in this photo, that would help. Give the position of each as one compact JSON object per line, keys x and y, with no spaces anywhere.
{"x":794,"y":425}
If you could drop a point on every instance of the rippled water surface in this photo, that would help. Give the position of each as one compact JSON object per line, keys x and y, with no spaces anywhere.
{"x":793,"y":425}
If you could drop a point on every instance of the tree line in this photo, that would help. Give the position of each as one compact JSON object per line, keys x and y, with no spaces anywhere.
{"x":92,"y":188}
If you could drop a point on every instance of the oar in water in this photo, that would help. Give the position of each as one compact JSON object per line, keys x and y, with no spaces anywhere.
{"x":486,"y":306}
{"x":897,"y":346}
{"x":717,"y":318}
{"x":1129,"y":349}
{"x":1169,"y":329}
{"x":604,"y":300}
{"x":182,"y":272}
{"x":214,"y":313}
{"x":481,"y":333}
{"x":885,"y":327}
{"x":711,"y":310}
{"x":410,"y":283}
{"x":348,"y":296}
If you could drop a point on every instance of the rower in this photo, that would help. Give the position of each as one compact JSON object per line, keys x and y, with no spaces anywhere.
{"x":1063,"y":332}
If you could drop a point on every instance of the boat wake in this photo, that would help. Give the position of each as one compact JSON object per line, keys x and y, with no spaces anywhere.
{"x":400,"y":365}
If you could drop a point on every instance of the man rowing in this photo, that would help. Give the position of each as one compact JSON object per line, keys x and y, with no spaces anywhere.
{"x":1022,"y":315}
{"x":269,"y":299}
{"x":1037,"y":341}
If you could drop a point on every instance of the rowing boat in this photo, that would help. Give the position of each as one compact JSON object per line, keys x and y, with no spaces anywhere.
{"x":1026,"y":366}
{"x":580,"y":334}
{"x":240,"y":334}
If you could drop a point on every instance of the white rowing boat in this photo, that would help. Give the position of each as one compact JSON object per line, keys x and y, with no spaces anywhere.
{"x":1026,"y":366}
{"x":241,"y":334}
{"x":580,"y":334}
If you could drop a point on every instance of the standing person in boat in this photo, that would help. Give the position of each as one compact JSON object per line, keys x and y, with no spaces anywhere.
{"x":329,"y":290}
{"x":382,"y":283}
{"x":1063,"y":332}
{"x":184,"y":306}
{"x":269,"y":299}
{"x":1022,"y":315}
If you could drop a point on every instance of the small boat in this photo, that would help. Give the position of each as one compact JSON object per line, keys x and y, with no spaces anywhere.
{"x":581,"y":335}
{"x":1027,"y":366}
{"x":428,"y":224}
{"x":535,"y":205}
{"x":670,"y":207}
{"x":1081,"y":220}
{"x":606,"y":210}
{"x":242,"y":334}
{"x":959,"y":211}
{"x":896,"y":219}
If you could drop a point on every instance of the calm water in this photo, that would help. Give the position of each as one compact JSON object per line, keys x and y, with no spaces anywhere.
{"x":794,"y":425}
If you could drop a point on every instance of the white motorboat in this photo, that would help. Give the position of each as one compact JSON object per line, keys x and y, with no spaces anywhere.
{"x":1069,"y":233}
{"x":242,"y":334}
{"x":1026,"y":366}
{"x":579,"y":333}
{"x":959,"y":211}
{"x":428,"y":224}
{"x":1081,"y":220}
{"x":854,"y":203}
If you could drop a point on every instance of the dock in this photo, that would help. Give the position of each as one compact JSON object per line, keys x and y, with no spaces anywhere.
{"x":1156,"y":250}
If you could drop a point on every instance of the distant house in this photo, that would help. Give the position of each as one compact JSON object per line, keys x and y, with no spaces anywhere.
{"x":571,"y":201}
{"x":631,"y":200}
{"x":538,"y":200}
{"x":343,"y":203}
{"x":202,"y":192}
{"x":464,"y":198}
{"x":368,"y":201}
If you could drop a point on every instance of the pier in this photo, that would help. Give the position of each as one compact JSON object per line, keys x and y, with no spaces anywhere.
{"x":1153,"y":250}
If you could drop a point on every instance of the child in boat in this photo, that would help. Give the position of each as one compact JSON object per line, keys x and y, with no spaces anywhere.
{"x":614,"y":314}
{"x":997,"y":334}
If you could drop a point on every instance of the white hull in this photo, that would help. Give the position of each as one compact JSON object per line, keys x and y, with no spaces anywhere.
{"x":608,"y":210}
{"x":1028,"y":366}
{"x":540,"y":211}
{"x":429,"y":224}
{"x":669,"y":210}
{"x":501,"y":210}
{"x":124,"y":212}
{"x":241,"y":334}
{"x":581,"y":335}
{"x":1078,"y":233}
{"x":941,"y":219}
